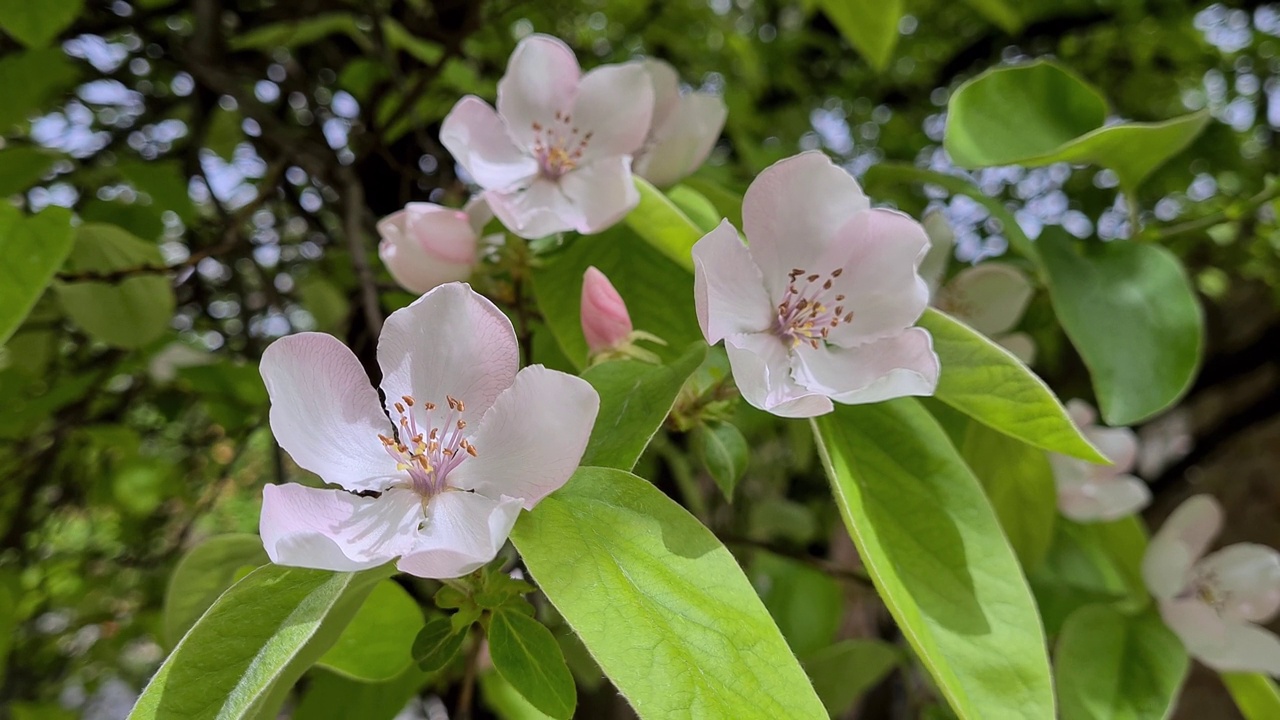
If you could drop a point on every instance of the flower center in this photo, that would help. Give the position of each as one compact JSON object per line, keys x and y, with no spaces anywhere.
{"x":1204,"y":587}
{"x":428,"y":454}
{"x":808,"y":312}
{"x":558,"y":147}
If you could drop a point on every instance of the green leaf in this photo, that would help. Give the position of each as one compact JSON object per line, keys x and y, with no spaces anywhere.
{"x":724,"y":452}
{"x":728,"y":204}
{"x":296,"y":34}
{"x":333,"y":697}
{"x":36,"y":24}
{"x":30,"y":79}
{"x":934,"y":549}
{"x":505,"y":701}
{"x":695,"y":206}
{"x":527,"y":655}
{"x":164,"y":182}
{"x":425,"y":51}
{"x":986,"y":382}
{"x":202,"y":575}
{"x":669,"y":616}
{"x":903,"y":173}
{"x":1256,"y":695}
{"x":127,"y":313}
{"x":664,"y":225}
{"x":21,"y":167}
{"x":326,"y":303}
{"x":376,"y":646}
{"x":807,"y":604}
{"x":635,"y":397}
{"x":645,"y":279}
{"x":31,"y":251}
{"x":1041,"y":113}
{"x":246,"y":651}
{"x":10,"y":593}
{"x":1131,"y":312}
{"x":870,"y":26}
{"x":1019,"y":483}
{"x":1091,"y":563}
{"x":842,"y":672}
{"x":1001,"y":13}
{"x":1112,"y":666}
{"x":437,"y":643}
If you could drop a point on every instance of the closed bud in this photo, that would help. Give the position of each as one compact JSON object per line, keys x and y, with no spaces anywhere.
{"x":605,"y":321}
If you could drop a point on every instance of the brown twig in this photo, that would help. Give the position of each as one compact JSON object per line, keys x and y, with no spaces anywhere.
{"x":466,"y":696}
{"x":353,"y":226}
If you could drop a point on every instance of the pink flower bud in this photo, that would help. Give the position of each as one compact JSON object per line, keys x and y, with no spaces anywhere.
{"x":425,"y":245}
{"x":605,"y":321}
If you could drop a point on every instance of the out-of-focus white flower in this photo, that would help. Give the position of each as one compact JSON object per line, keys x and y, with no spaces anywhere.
{"x":1095,"y":493}
{"x":1215,"y":602}
{"x":684,"y":129}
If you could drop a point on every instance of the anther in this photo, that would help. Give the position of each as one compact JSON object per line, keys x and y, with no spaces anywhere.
{"x":837,"y":272}
{"x":826,"y":285}
{"x":813,"y":278}
{"x":429,"y":406}
{"x":462,"y":424}
{"x":399,"y":408}
{"x":839,"y":298}
{"x":407,"y":400}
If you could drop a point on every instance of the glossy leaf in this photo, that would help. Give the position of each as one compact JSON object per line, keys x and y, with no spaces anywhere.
{"x":1255,"y":695}
{"x":279,"y":615}
{"x":333,"y":697}
{"x":1019,"y":483}
{"x":22,"y":167}
{"x":526,"y":654}
{"x":697,"y":640}
{"x":36,"y":24}
{"x":31,"y":251}
{"x":203,"y":574}
{"x":986,"y":382}
{"x":1041,"y":113}
{"x":934,"y":549}
{"x":1091,"y":563}
{"x":1132,"y":314}
{"x":505,"y":701}
{"x":646,"y":280}
{"x":806,"y":603}
{"x":696,"y":206}
{"x":723,"y":452}
{"x":635,"y":398}
{"x":437,"y":643}
{"x":842,"y":672}
{"x":664,"y":225}
{"x":1112,"y":666}
{"x":128,"y":312}
{"x":870,"y":26}
{"x":376,"y":646}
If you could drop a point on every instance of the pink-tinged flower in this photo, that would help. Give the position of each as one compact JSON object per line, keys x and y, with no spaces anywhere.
{"x":684,"y":129}
{"x":474,"y":440}
{"x":425,"y":245}
{"x":1215,"y":603}
{"x":556,"y":155}
{"x":990,"y":298}
{"x":1099,"y":493}
{"x":820,"y":305}
{"x":605,"y":321}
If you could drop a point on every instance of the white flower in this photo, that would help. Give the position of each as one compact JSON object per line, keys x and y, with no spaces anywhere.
{"x":990,"y":298}
{"x":1094,"y":493}
{"x":556,"y":155}
{"x":684,"y":130}
{"x":821,"y":305}
{"x":475,"y":440}
{"x":1215,"y":602}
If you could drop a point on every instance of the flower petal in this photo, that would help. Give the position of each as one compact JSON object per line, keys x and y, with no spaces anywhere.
{"x":477,"y":138}
{"x":1020,"y":344}
{"x":462,"y":533}
{"x":1181,"y":541}
{"x":606,"y":323}
{"x":727,"y":286}
{"x":541,"y":81}
{"x":532,"y":439}
{"x":536,"y":211}
{"x":1119,"y":445}
{"x":683,"y":141}
{"x":791,"y":213}
{"x":666,"y":89}
{"x":1081,"y":413}
{"x":1224,"y":645}
{"x":336,"y":530}
{"x":324,"y":411}
{"x":1247,"y":576}
{"x":880,"y":251}
{"x":1102,"y":500}
{"x":601,"y":192}
{"x":762,"y":370}
{"x":942,"y":240}
{"x":614,"y":104}
{"x":892,"y":367}
{"x":426,"y":245}
{"x":990,"y":297}
{"x":450,"y":342}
